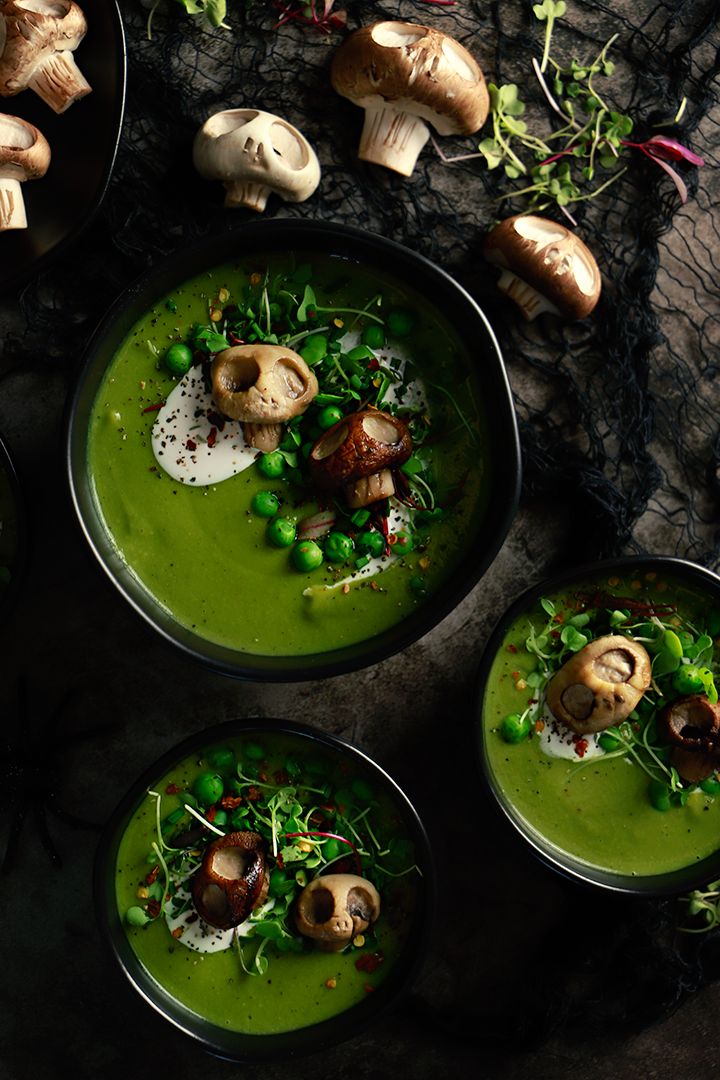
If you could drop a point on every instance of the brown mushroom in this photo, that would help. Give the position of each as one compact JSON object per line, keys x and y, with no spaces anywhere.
{"x":358,"y":453}
{"x":232,"y":879}
{"x":600,"y":685}
{"x":407,"y":76}
{"x":37,"y":41}
{"x":334,"y":908}
{"x":692,"y":725}
{"x":24,"y":155}
{"x":262,"y":386}
{"x":545,"y":267}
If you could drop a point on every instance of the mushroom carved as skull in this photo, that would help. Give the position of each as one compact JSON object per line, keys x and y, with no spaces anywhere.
{"x":600,"y":685}
{"x":232,"y":879}
{"x":545,"y":267}
{"x":405,"y":77}
{"x":333,"y":908}
{"x":24,"y":155}
{"x":37,"y":42}
{"x":255,"y":153}
{"x":692,"y":725}
{"x":262,"y":386}
{"x":358,"y":454}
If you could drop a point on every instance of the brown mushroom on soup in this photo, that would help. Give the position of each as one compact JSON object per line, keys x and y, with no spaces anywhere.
{"x":692,"y":725}
{"x":599,"y":685}
{"x":262,"y":386}
{"x":333,"y":908}
{"x":357,"y":455}
{"x":545,"y":267}
{"x":24,"y":155}
{"x":407,"y":76}
{"x":232,"y":879}
{"x":37,"y":42}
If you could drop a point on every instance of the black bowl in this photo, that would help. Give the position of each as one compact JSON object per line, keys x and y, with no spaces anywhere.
{"x":667,"y":883}
{"x":13,"y":531}
{"x":489,"y":378}
{"x":219,"y":1040}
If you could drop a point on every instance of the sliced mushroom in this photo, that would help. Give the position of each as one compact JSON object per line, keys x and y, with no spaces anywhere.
{"x":232,"y":879}
{"x":357,"y":455}
{"x":545,"y":267}
{"x":24,"y":155}
{"x":333,"y":909}
{"x":692,"y":725}
{"x":262,"y":386}
{"x":600,"y":685}
{"x":37,"y":42}
{"x":407,"y":76}
{"x":255,"y":153}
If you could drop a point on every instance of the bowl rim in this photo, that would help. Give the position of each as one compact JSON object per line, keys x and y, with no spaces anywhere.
{"x":668,"y":884}
{"x":262,"y":237}
{"x":239,"y":1046}
{"x":21,"y":557}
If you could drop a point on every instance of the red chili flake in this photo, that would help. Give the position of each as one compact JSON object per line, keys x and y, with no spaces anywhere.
{"x":177,"y":932}
{"x":153,"y":908}
{"x":173,"y":789}
{"x":212,"y":436}
{"x":515,"y":674}
{"x":374,"y":586}
{"x":368,"y":988}
{"x":230,"y":802}
{"x":154,"y":408}
{"x":554,"y":633}
{"x":374,"y":364}
{"x":211,"y":813}
{"x":559,"y":618}
{"x":253,"y":793}
{"x":191,"y":445}
{"x":369,"y":962}
{"x":262,"y":777}
{"x":511,"y":648}
{"x":581,"y":746}
{"x":151,"y":878}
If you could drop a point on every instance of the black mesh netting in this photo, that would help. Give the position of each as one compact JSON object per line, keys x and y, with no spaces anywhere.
{"x":618,"y":414}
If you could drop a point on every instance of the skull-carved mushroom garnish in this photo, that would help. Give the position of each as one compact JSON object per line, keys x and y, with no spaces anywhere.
{"x":600,"y":685}
{"x":232,"y":879}
{"x":24,"y":155}
{"x":37,"y":42}
{"x":545,"y":267}
{"x":255,"y":153}
{"x":262,"y":386}
{"x":333,"y":908}
{"x":358,"y":454}
{"x":692,"y":725}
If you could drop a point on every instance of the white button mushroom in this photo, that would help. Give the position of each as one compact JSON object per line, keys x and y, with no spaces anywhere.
{"x":255,"y":153}
{"x":545,"y":267}
{"x":405,"y":77}
{"x":24,"y":155}
{"x":37,"y":41}
{"x":333,"y":908}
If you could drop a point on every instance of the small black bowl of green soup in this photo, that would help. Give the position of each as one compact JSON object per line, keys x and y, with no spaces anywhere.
{"x":293,"y":448}
{"x":598,"y":723}
{"x":267,"y":888}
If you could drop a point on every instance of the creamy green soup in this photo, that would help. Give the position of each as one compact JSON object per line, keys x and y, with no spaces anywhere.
{"x":268,"y":978}
{"x":618,"y":809}
{"x":202,"y":552}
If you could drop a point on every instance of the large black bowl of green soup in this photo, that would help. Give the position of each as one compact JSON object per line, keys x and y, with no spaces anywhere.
{"x":275,"y":563}
{"x":598,"y":723}
{"x":266,"y":888}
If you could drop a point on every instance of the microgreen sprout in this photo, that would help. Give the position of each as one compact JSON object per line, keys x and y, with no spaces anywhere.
{"x":703,"y":904}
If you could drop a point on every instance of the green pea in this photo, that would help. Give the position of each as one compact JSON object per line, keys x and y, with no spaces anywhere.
{"x":281,"y":532}
{"x":332,"y":849}
{"x":135,"y":916}
{"x":400,"y":322}
{"x":280,"y":883}
{"x":272,"y":465}
{"x":608,"y":742}
{"x":329,"y":415}
{"x":314,"y":349}
{"x":688,"y":680}
{"x":220,"y":819}
{"x":306,"y":556}
{"x":515,"y":727}
{"x":265,"y":504}
{"x":711,"y":785}
{"x":418,"y":585}
{"x":370,"y":542}
{"x":222,"y":757}
{"x":208,"y":788}
{"x":373,"y":336}
{"x":255,"y":752}
{"x":659,"y":794}
{"x":338,"y":547}
{"x":178,"y":358}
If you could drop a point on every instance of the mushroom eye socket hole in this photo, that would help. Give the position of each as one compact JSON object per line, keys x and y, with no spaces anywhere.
{"x":13,"y":135}
{"x":287,"y":146}
{"x":579,"y":700}
{"x":614,"y":666}
{"x":214,"y":901}
{"x":225,"y":123}
{"x":54,"y":9}
{"x":359,"y":904}
{"x":380,"y":429}
{"x":458,"y":61}
{"x":295,"y":383}
{"x":231,"y":863}
{"x":330,"y":442}
{"x":319,"y":906}
{"x":396,"y":35}
{"x":239,"y":374}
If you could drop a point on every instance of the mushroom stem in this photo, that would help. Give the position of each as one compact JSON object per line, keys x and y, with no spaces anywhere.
{"x":392,"y":138}
{"x":12,"y":206}
{"x":265,"y":437}
{"x":531,"y":302}
{"x":370,"y":489}
{"x":246,"y":193}
{"x":59,"y":81}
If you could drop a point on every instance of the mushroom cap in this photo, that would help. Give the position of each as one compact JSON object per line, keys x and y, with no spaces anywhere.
{"x":418,"y":69}
{"x":262,"y":384}
{"x":550,"y":258}
{"x":693,"y":722}
{"x":249,"y":145}
{"x":333,"y":908}
{"x":30,"y":32}
{"x":359,"y":445}
{"x":600,"y":685}
{"x":24,"y":150}
{"x":231,"y":880}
